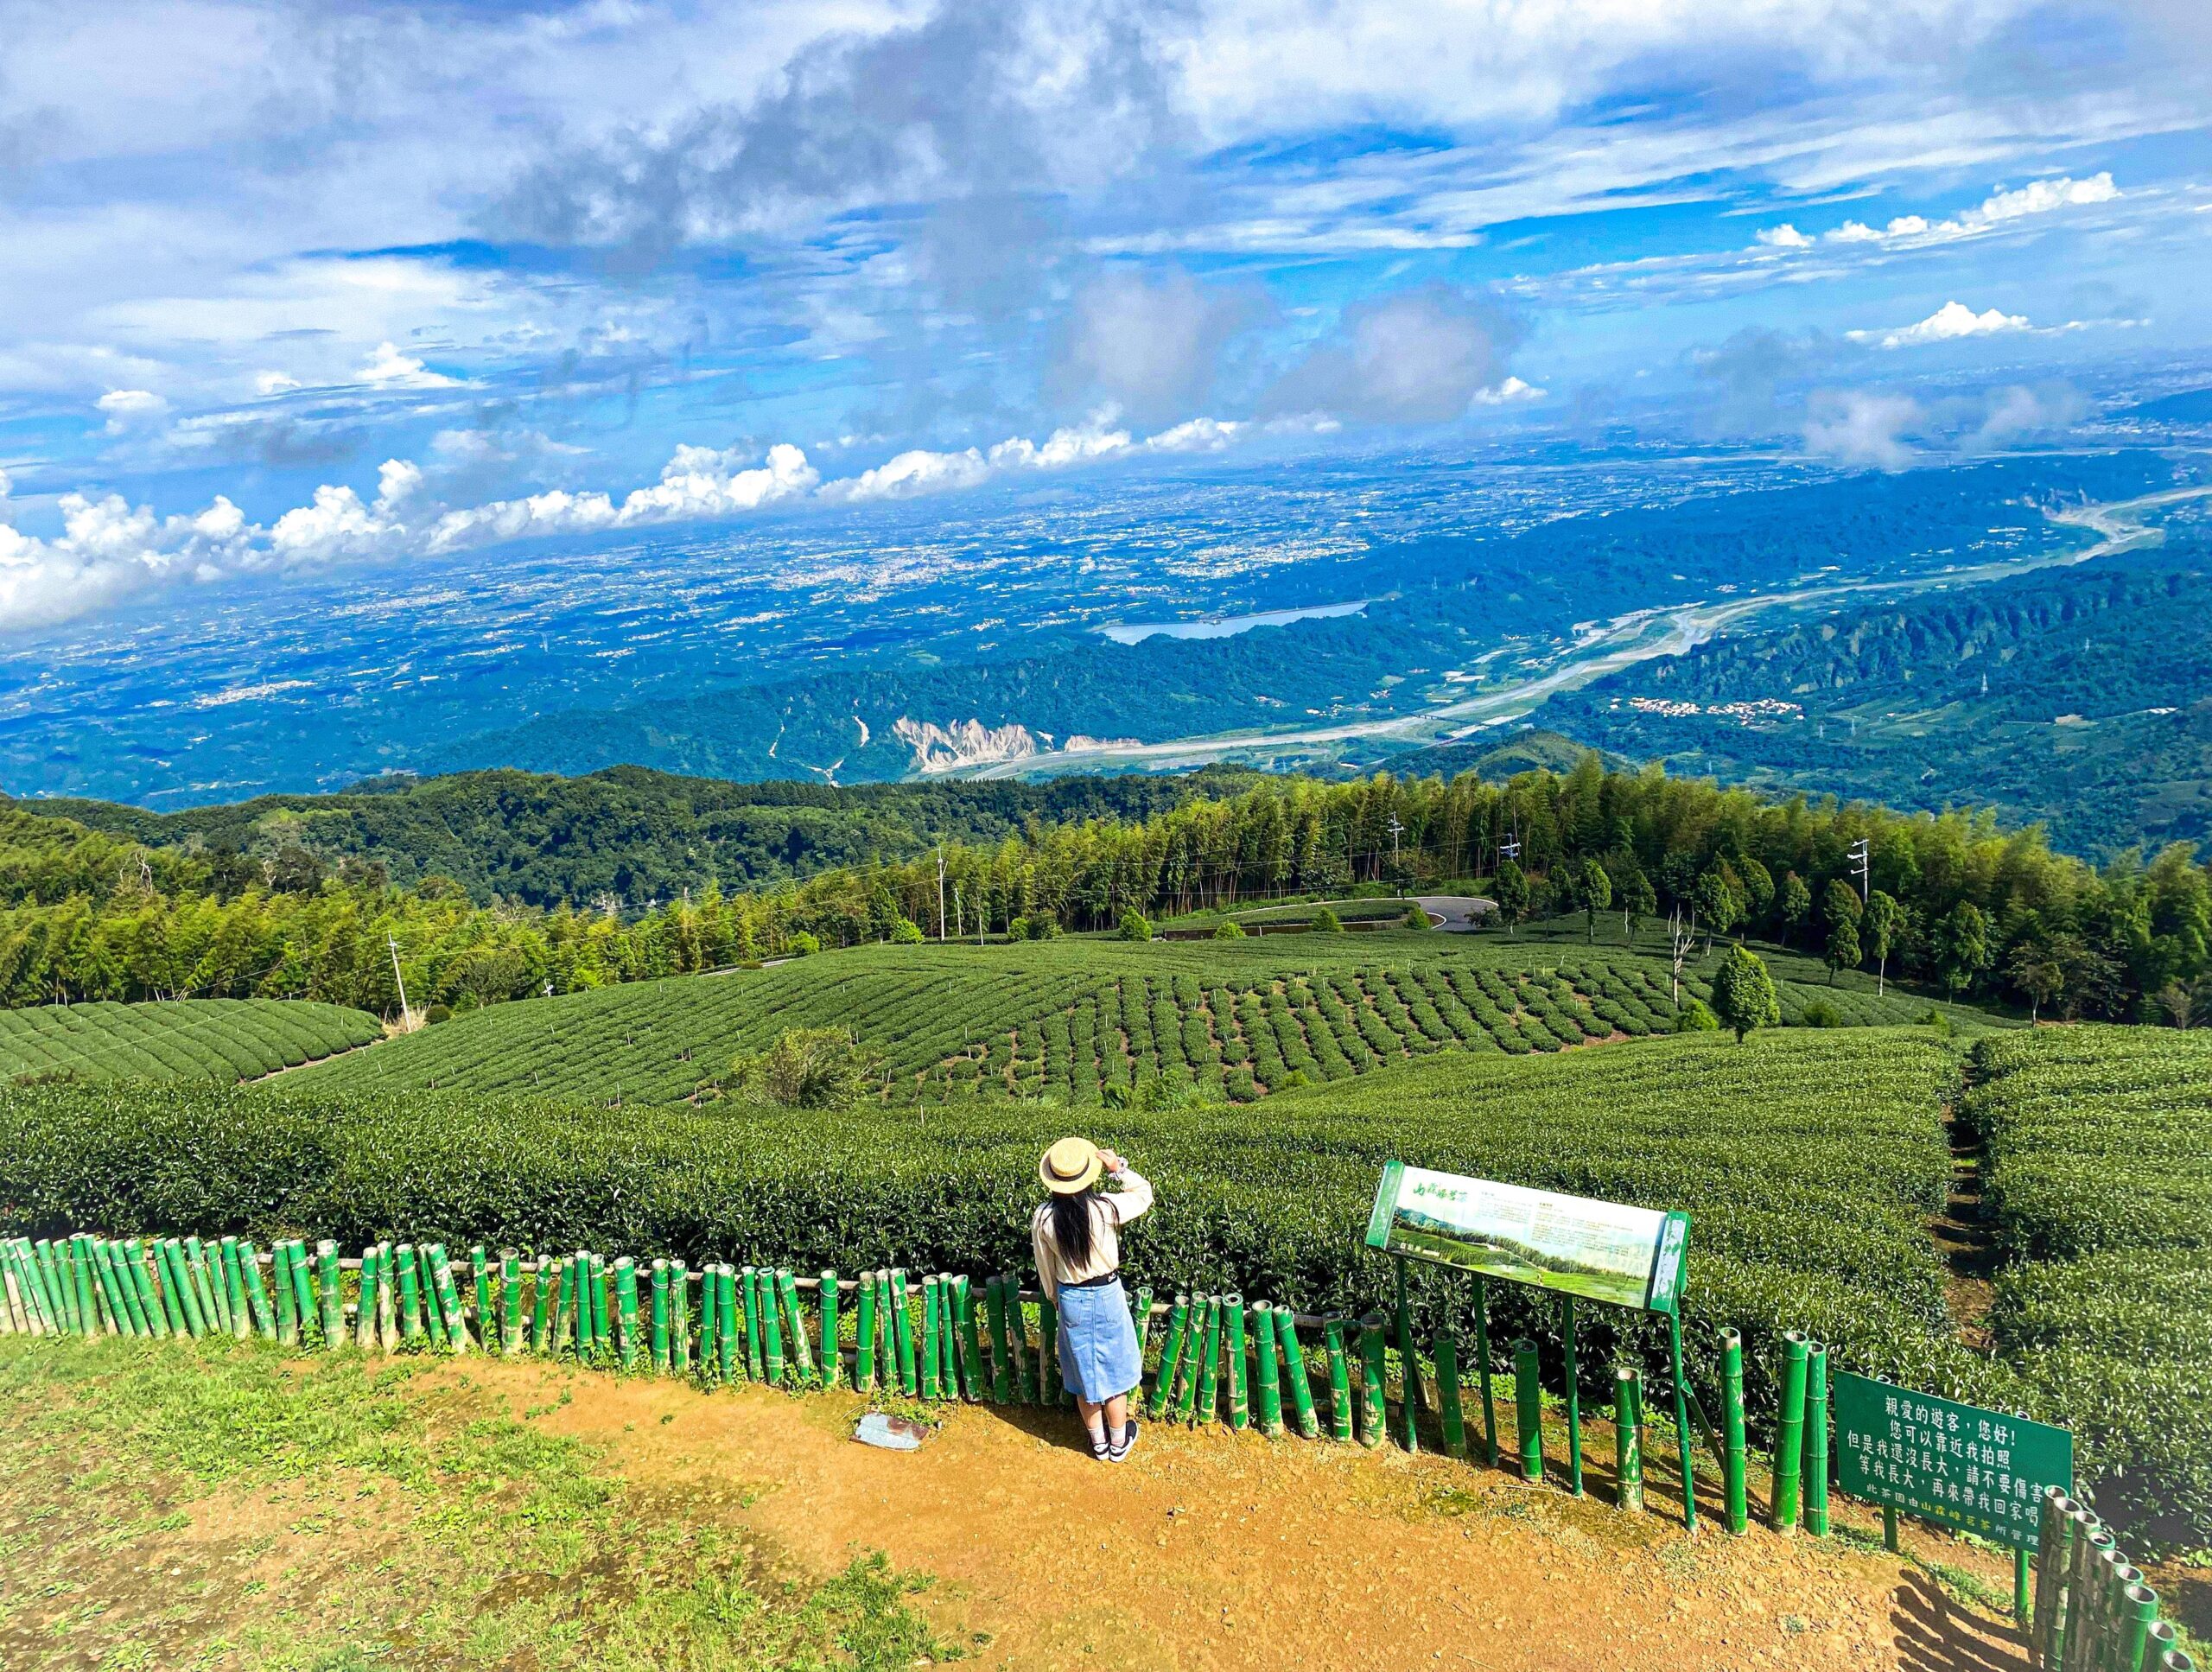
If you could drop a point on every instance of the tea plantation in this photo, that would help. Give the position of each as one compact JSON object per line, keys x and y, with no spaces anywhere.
{"x":184,"y":1039}
{"x":1070,"y":1019}
{"x":2100,"y":1184}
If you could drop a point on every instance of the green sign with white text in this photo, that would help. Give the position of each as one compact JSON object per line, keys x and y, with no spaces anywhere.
{"x":1980,"y":1471}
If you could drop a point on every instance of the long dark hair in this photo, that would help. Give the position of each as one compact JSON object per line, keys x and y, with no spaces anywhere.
{"x":1074,"y":1222}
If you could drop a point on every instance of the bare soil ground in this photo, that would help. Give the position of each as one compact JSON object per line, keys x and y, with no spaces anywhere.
{"x":1208,"y":1550}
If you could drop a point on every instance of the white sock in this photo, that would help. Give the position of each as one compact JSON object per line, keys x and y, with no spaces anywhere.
{"x":1097,"y":1423}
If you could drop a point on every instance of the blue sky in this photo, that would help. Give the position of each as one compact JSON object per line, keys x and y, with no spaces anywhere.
{"x":289,"y":286}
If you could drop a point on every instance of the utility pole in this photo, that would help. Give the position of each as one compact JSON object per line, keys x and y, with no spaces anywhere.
{"x":1397,"y":866}
{"x":406,"y":1014}
{"x":940,"y":894}
{"x":1862,"y":865}
{"x":959,"y":911}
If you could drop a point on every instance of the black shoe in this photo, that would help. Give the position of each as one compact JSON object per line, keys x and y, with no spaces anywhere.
{"x":1100,"y":1450}
{"x":1122,"y":1446}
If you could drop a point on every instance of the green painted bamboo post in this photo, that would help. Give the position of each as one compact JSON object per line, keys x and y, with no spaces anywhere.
{"x":1208,"y":1404}
{"x":2054,"y":1535}
{"x":1628,"y":1438}
{"x":1528,"y":1410}
{"x":1266,"y":1354}
{"x":1332,"y":1336}
{"x":886,"y":1335}
{"x":680,"y":1317}
{"x":61,"y":1279}
{"x":1194,"y":1361}
{"x":141,"y":1320}
{"x":771,"y":1327}
{"x":18,"y":1291}
{"x":1048,"y":1352}
{"x":864,"y":1334}
{"x":510,"y":1315}
{"x":234,"y":1288}
{"x":109,"y":1292}
{"x":96,"y":1303}
{"x":1141,"y":1314}
{"x":1790,"y":1431}
{"x":972,"y":1329}
{"x":434,"y":1323}
{"x":802,"y":1351}
{"x":1001,"y":1354}
{"x":602,"y":1332}
{"x":411,"y":1294}
{"x":948,"y":1337}
{"x":660,"y":1317}
{"x":1816,"y":1441}
{"x":2138,"y":1612}
{"x":1017,"y":1332}
{"x":1685,"y":1457}
{"x":902,"y":1335}
{"x":387,"y":1296}
{"x":932,"y":1348}
{"x":303,"y":1295}
{"x":49,"y":1295}
{"x":1233,"y":1350}
{"x":1447,"y":1393}
{"x":480,"y":1269}
{"x":1409,"y":1401}
{"x":206,"y":1259}
{"x":710,"y":1324}
{"x":125,"y":1303}
{"x":1572,"y":1371}
{"x":256,"y":1292}
{"x":1482,"y":1370}
{"x":833,"y":1350}
{"x":1294,"y":1372}
{"x":364,"y":1314}
{"x":732,"y":1323}
{"x":47,"y":1322}
{"x":1373,"y":1401}
{"x":1735,"y":1459}
{"x":219,"y":1259}
{"x":541,"y":1303}
{"x":2161,"y":1650}
{"x":449,"y":1299}
{"x":1171,"y":1351}
{"x":559,"y":1321}
{"x":142,"y":1278}
{"x":333,"y":1290}
{"x":756,"y":1359}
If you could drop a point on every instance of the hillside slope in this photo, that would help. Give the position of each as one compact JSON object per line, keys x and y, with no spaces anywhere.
{"x":1069,"y":1020}
{"x":2081,"y":699}
{"x":219,"y":1039}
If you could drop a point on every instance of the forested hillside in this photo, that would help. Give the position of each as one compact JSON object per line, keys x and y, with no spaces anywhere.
{"x":2081,"y":699}
{"x":627,"y":834}
{"x":1954,"y":900}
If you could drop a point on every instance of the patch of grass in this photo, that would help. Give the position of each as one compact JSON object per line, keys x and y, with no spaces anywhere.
{"x":174,"y":1504}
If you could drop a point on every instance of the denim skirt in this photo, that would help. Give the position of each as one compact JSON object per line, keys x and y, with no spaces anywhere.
{"x":1099,"y":1357}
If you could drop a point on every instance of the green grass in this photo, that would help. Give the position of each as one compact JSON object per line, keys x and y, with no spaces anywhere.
{"x":172,"y":1504}
{"x":1068,"y":1020}
{"x":184,"y":1039}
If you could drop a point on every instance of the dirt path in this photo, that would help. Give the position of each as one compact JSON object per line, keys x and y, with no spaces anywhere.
{"x":1213,"y":1551}
{"x":1961,"y":1236}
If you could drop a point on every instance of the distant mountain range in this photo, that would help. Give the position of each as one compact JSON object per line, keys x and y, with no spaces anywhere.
{"x":2078,"y":698}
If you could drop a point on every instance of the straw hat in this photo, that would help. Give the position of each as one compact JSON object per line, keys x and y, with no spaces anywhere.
{"x":1070,"y":1166}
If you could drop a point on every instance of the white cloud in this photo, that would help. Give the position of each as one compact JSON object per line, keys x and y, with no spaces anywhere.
{"x":390,"y":369}
{"x":274,"y":382}
{"x":915,"y":472}
{"x":126,"y":409}
{"x":1508,"y":393}
{"x":1859,"y":427}
{"x":1196,"y":436}
{"x":1949,"y":323}
{"x":1784,"y":237}
{"x":2038,"y":197}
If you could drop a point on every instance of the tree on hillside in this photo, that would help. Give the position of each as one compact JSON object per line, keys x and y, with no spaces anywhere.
{"x":1512,"y":889}
{"x":1597,"y":895}
{"x":1743,"y":993}
{"x":2037,"y":972}
{"x":1757,"y":891}
{"x":1636,"y":902}
{"x":1135,"y":926}
{"x":1713,"y":905}
{"x":1324,"y":922}
{"x":1797,"y":905}
{"x":1841,"y":951}
{"x":1961,"y":946}
{"x":806,"y":1068}
{"x":1883,"y":920}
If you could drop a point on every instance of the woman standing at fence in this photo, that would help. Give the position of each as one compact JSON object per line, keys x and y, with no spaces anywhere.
{"x":1077,"y":1236}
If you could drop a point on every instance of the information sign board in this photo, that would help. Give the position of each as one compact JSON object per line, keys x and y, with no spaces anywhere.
{"x":1625,"y":1256}
{"x":1982,"y":1472}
